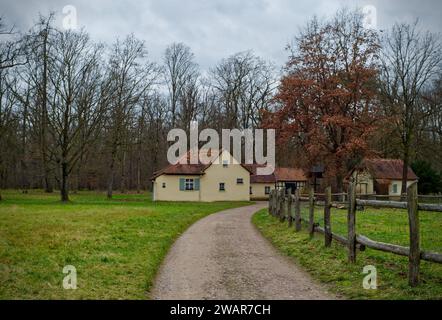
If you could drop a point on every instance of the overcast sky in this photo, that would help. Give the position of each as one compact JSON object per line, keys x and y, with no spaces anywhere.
{"x":214,"y":29}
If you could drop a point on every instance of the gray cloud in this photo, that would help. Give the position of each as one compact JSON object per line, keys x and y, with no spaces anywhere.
{"x":213,"y":29}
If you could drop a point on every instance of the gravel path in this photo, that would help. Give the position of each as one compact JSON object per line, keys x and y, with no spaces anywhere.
{"x":223,"y":256}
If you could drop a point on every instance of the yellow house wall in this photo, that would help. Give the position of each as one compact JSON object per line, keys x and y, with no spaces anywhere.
{"x":217,"y":173}
{"x":172,"y":191}
{"x":364,"y":178}
{"x":399,"y":187}
{"x":364,"y":182}
{"x":258,"y":190}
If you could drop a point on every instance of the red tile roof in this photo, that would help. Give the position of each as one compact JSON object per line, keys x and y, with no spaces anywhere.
{"x":191,"y":169}
{"x":280,"y":174}
{"x":290,"y":174}
{"x":390,"y":169}
{"x":185,"y":169}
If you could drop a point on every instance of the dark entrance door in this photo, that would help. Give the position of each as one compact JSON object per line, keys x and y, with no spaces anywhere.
{"x":291,"y":185}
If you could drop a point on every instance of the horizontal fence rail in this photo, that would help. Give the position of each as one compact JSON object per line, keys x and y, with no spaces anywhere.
{"x":287,"y":207}
{"x":398,"y":205}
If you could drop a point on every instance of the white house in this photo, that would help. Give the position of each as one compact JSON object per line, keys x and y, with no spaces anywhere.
{"x":381,"y":176}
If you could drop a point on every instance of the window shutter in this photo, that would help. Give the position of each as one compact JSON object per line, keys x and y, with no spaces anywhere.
{"x":197,"y":184}
{"x":182,"y":182}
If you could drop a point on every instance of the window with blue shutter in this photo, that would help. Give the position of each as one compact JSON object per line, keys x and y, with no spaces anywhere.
{"x":197,"y":184}
{"x":182,"y":184}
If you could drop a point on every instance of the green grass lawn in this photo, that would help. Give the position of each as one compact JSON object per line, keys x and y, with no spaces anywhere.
{"x":330,"y":266}
{"x":115,"y":245}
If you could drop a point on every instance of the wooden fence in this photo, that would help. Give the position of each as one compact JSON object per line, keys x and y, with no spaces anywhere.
{"x":288,"y":207}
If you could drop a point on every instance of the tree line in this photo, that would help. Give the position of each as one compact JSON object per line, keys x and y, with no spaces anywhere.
{"x":350,"y":92}
{"x":76,"y":114}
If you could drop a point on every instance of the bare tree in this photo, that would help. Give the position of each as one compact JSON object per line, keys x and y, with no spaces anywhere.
{"x":8,"y":119}
{"x":10,"y":52}
{"x":32,"y":90}
{"x":20,"y":87}
{"x":181,"y":73}
{"x":189,"y":102}
{"x":410,"y":60}
{"x":130,"y":77}
{"x":429,"y":131}
{"x":10,"y":56}
{"x":244,"y":85}
{"x":76,"y":104}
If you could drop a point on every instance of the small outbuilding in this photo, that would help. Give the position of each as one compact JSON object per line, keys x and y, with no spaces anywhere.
{"x":381,"y":176}
{"x":281,"y":178}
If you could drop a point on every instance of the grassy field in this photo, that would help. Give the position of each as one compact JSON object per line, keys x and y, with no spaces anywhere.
{"x":330,"y":266}
{"x":116,"y":245}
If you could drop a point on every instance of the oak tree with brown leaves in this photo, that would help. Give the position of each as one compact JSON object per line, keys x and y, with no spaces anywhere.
{"x":326,"y":101}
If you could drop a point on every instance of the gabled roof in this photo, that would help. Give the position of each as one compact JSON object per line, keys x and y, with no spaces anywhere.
{"x":190,"y":169}
{"x":386,"y":169}
{"x":183,"y":169}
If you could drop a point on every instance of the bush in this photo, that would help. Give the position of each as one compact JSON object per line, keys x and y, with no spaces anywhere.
{"x":430,"y":180}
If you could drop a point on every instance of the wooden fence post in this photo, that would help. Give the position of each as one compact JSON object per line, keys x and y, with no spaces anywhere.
{"x":289,"y":208}
{"x":277,"y":203}
{"x":311,"y":207}
{"x":274,"y":203}
{"x":282,"y":206}
{"x":298,"y":222}
{"x":351,"y":221}
{"x":277,"y":200}
{"x":413,"y":218}
{"x":327,"y":223}
{"x":270,"y":203}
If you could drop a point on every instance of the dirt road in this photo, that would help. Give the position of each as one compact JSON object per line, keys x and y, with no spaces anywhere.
{"x":223,"y":256}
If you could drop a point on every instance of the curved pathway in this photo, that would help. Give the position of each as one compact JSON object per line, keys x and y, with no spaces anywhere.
{"x":223,"y":256}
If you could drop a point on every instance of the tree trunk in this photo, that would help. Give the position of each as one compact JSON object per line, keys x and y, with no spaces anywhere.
{"x":138,"y":177}
{"x":24,"y":177}
{"x":110,"y":183}
{"x":405,"y":170}
{"x":23,"y":166}
{"x":123,"y":173}
{"x":64,"y":182}
{"x":339,"y":183}
{"x":48,"y":185}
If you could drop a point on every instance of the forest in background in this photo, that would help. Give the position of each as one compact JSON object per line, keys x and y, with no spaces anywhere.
{"x":76,"y":114}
